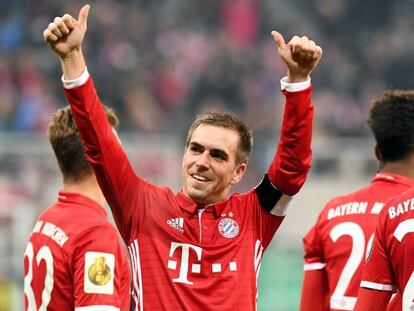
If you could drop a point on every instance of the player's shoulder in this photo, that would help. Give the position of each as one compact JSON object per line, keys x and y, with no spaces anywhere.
{"x":358,"y":194}
{"x":242,"y":200}
{"x":75,"y":218}
{"x":398,"y":208}
{"x":353,"y":205}
{"x":343,"y":199}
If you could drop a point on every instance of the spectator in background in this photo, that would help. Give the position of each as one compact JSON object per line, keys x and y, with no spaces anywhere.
{"x":74,"y":259}
{"x":335,"y":247}
{"x":152,"y":44}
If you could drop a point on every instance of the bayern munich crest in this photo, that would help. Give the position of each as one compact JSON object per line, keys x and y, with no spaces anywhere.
{"x":228,"y":228}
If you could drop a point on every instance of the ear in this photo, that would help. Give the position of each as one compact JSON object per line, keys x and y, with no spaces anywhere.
{"x":378,"y":154}
{"x":238,"y":173}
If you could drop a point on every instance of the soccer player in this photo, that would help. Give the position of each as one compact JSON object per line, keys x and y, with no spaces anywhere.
{"x":335,"y":247}
{"x":390,"y":264}
{"x":198,"y":249}
{"x":74,"y":259}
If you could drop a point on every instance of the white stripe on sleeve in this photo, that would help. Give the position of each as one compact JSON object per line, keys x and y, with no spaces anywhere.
{"x":314,"y":266}
{"x":97,"y":308}
{"x":378,"y":286}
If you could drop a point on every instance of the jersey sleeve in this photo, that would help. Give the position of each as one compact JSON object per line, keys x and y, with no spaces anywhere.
{"x":121,"y":187}
{"x":100,"y":271}
{"x":262,"y":222}
{"x":315,"y":291}
{"x":292,"y":160}
{"x":314,"y":256}
{"x":377,"y":272}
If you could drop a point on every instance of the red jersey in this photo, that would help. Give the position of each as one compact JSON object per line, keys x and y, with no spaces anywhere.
{"x":390,"y":265}
{"x":74,"y":260}
{"x":344,"y":229}
{"x":187,"y":256}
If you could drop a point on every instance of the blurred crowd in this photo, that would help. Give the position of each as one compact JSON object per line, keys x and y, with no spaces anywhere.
{"x":159,"y":62}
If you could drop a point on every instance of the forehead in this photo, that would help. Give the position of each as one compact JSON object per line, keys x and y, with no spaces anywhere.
{"x":210,"y":136}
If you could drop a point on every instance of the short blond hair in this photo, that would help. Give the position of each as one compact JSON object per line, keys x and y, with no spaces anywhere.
{"x":67,"y":144}
{"x":230,"y":121}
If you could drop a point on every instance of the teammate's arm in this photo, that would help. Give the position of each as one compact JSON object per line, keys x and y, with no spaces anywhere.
{"x":292,"y":160}
{"x":315,"y":289}
{"x":372,"y":300}
{"x":101,"y":277}
{"x":315,"y":292}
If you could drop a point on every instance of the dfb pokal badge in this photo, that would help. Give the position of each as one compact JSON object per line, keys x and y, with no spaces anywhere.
{"x":99,"y":272}
{"x":228,"y":228}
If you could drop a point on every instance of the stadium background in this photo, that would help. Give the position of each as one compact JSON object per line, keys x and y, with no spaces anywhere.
{"x":160,"y":62}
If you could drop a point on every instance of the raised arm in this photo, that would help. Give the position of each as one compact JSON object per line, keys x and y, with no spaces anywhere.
{"x":112,"y":168}
{"x":292,"y":160}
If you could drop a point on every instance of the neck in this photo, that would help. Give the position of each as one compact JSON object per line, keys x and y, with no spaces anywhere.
{"x":88,"y":187}
{"x":404,"y":167}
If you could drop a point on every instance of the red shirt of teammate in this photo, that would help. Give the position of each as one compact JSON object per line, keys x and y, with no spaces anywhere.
{"x":337,"y":243}
{"x":390,"y":266}
{"x":74,"y":259}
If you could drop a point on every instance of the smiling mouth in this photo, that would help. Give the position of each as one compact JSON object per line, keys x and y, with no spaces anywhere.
{"x":199,"y":178}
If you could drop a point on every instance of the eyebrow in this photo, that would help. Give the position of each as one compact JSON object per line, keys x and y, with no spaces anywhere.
{"x":221,"y":152}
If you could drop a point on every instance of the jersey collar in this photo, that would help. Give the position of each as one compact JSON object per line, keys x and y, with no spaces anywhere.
{"x":71,"y":197}
{"x":192,"y":207}
{"x":394,"y":178}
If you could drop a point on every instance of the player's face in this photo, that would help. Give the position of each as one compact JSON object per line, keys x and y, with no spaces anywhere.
{"x":209,"y":166}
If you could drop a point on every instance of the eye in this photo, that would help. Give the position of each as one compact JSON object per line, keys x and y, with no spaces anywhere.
{"x":195,"y":149}
{"x":218,"y":156}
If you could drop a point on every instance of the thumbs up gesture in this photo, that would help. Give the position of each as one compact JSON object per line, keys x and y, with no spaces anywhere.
{"x":65,"y":34}
{"x":300,"y":54}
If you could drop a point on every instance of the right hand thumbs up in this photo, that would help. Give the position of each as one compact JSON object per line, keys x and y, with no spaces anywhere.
{"x":65,"y":34}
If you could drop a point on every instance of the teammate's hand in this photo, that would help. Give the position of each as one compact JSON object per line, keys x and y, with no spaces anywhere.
{"x":301,"y":56}
{"x":66,"y":34}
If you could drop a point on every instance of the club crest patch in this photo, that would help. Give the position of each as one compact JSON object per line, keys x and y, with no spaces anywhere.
{"x":99,"y":273}
{"x":228,"y":228}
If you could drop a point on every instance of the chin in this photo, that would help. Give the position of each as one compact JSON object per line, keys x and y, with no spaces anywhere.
{"x":196,"y":196}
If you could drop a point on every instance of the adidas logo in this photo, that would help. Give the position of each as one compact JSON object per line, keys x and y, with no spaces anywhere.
{"x":177,"y":223}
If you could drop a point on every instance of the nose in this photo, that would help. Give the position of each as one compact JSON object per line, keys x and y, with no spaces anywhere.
{"x":203,"y":160}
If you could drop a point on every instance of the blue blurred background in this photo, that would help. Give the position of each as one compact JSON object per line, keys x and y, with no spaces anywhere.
{"x":160,"y":62}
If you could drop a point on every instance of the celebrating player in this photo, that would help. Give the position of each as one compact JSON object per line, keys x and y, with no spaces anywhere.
{"x":74,"y":259}
{"x":200,"y":248}
{"x":335,"y":247}
{"x":390,"y":266}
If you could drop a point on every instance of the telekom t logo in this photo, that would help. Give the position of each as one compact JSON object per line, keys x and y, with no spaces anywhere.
{"x":185,"y":261}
